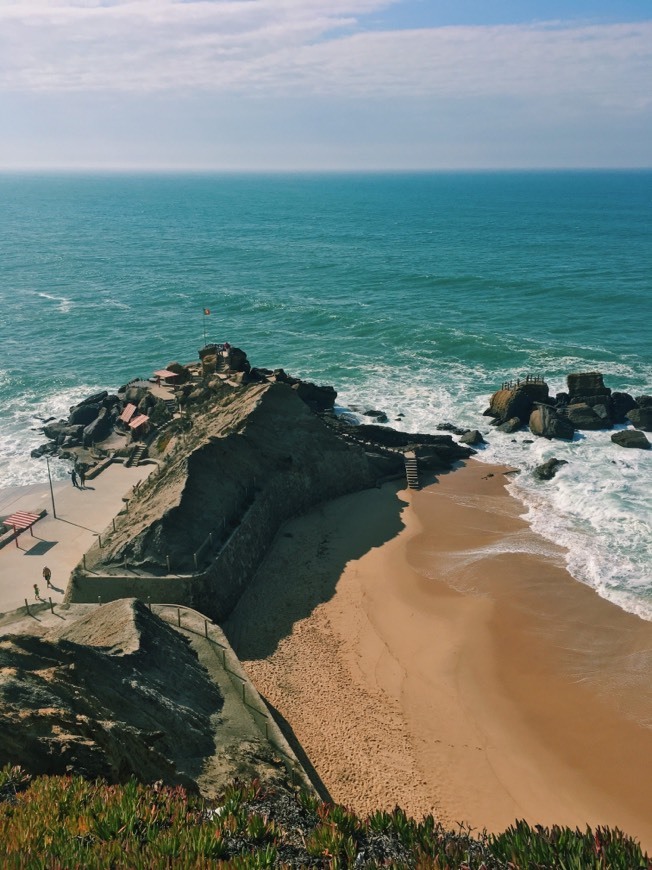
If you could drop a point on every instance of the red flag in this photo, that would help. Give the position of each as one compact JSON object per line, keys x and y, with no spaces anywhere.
{"x":207,"y":311}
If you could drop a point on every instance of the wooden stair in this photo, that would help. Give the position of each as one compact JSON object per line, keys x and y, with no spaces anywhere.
{"x":411,"y":470}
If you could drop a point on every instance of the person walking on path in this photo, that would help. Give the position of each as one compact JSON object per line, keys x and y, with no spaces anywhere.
{"x":73,"y":477}
{"x":46,"y":576}
{"x":37,"y":594}
{"x":82,"y":478}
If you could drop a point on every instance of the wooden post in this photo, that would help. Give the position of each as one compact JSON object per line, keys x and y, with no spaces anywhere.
{"x":99,"y":540}
{"x":167,"y":559}
{"x":99,"y":600}
{"x":84,"y":561}
{"x":26,"y":606}
{"x":206,"y":627}
{"x":179,"y":617}
{"x":51,"y":605}
{"x":113,"y":521}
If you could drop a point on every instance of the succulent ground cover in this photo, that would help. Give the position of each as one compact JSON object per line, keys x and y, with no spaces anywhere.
{"x":69,"y":822}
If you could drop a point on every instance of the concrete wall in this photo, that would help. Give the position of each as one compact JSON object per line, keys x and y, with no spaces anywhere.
{"x":88,"y":588}
{"x":216,"y":591}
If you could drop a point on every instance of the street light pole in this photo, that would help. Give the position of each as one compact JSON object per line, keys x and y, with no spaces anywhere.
{"x":54,"y":511}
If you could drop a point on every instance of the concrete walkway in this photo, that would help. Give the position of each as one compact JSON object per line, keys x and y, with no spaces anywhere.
{"x":59,"y":542}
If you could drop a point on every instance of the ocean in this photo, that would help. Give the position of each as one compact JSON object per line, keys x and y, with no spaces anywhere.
{"x":415,"y":294}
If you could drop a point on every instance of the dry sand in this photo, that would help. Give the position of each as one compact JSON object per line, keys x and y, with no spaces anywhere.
{"x":427,"y":649}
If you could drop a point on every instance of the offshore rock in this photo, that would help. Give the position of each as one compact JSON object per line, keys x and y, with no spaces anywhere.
{"x":518,"y":401}
{"x":631,"y":438}
{"x":621,"y":403}
{"x":644,"y":401}
{"x":511,"y":425}
{"x":546,"y":423}
{"x":548,"y":469}
{"x":473,"y":437}
{"x":641,"y":418}
{"x":582,"y":416}
{"x":581,"y":384}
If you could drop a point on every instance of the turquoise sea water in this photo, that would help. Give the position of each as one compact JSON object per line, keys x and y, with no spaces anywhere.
{"x":411,"y":293}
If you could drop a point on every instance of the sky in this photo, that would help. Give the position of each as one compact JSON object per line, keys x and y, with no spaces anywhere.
{"x":303,"y":85}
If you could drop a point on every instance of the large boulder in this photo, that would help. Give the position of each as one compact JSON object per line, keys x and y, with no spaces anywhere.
{"x":95,"y":399}
{"x":641,"y":418}
{"x":316,"y":397}
{"x":546,"y":423}
{"x":237,"y":360}
{"x":517,"y":401}
{"x":99,"y":429}
{"x":631,"y":438}
{"x":134,"y":394}
{"x":548,"y":469}
{"x":583,"y":416}
{"x":511,"y":425}
{"x":472,"y":438}
{"x":54,"y":429}
{"x":621,"y":403}
{"x":644,"y":401}
{"x":82,"y":415}
{"x":582,"y":384}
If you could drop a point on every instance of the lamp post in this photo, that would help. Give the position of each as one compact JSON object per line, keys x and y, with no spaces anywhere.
{"x":54,"y":511}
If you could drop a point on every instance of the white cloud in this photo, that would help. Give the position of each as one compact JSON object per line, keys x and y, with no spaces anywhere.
{"x":311,"y":47}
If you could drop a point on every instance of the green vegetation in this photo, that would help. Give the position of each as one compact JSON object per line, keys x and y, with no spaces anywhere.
{"x":67,"y":822}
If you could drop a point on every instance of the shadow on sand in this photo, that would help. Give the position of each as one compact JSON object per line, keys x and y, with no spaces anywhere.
{"x":305,"y":563}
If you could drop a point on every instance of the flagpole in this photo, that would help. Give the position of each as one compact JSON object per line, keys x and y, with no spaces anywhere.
{"x":204,"y":324}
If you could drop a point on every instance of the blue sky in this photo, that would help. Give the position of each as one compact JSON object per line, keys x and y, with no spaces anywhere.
{"x":324,"y":84}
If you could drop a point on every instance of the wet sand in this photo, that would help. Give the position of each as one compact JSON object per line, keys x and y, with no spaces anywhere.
{"x":427,"y":649}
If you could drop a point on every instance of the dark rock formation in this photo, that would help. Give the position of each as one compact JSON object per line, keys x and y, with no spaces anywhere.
{"x":237,"y":360}
{"x":182,"y":372}
{"x":644,"y":401}
{"x":641,"y":418}
{"x":95,"y":399}
{"x":451,"y":427}
{"x":82,"y":415}
{"x":548,"y":469}
{"x":379,"y":416}
{"x":583,"y":416}
{"x":511,"y":425}
{"x":319,"y":398}
{"x":99,"y":428}
{"x":621,"y":403}
{"x":582,"y":384}
{"x":631,"y":438}
{"x":517,"y":401}
{"x":473,"y":437}
{"x":545,"y":422}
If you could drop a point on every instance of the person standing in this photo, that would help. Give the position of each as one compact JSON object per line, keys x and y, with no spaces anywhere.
{"x":37,"y":594}
{"x":82,"y":477}
{"x":47,"y":574}
{"x":73,"y":477}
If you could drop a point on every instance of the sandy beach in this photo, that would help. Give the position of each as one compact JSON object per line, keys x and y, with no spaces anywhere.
{"x":428,"y":649}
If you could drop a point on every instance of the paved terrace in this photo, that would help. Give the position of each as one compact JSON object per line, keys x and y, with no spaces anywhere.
{"x":59,"y":542}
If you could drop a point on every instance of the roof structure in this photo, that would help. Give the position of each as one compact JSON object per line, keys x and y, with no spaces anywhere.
{"x":128,"y":413}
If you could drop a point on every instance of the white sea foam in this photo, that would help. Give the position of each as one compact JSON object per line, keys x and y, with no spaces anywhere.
{"x":20,"y":433}
{"x":64,"y":305}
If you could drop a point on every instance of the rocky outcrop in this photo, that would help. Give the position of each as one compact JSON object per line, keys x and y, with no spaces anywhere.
{"x":517,"y":401}
{"x":588,"y":404}
{"x":510,"y":426}
{"x":546,"y":423}
{"x":99,"y":696}
{"x":549,"y":469}
{"x":631,"y":438}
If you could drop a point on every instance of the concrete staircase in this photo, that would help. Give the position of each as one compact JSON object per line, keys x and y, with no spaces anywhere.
{"x":411,"y":470}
